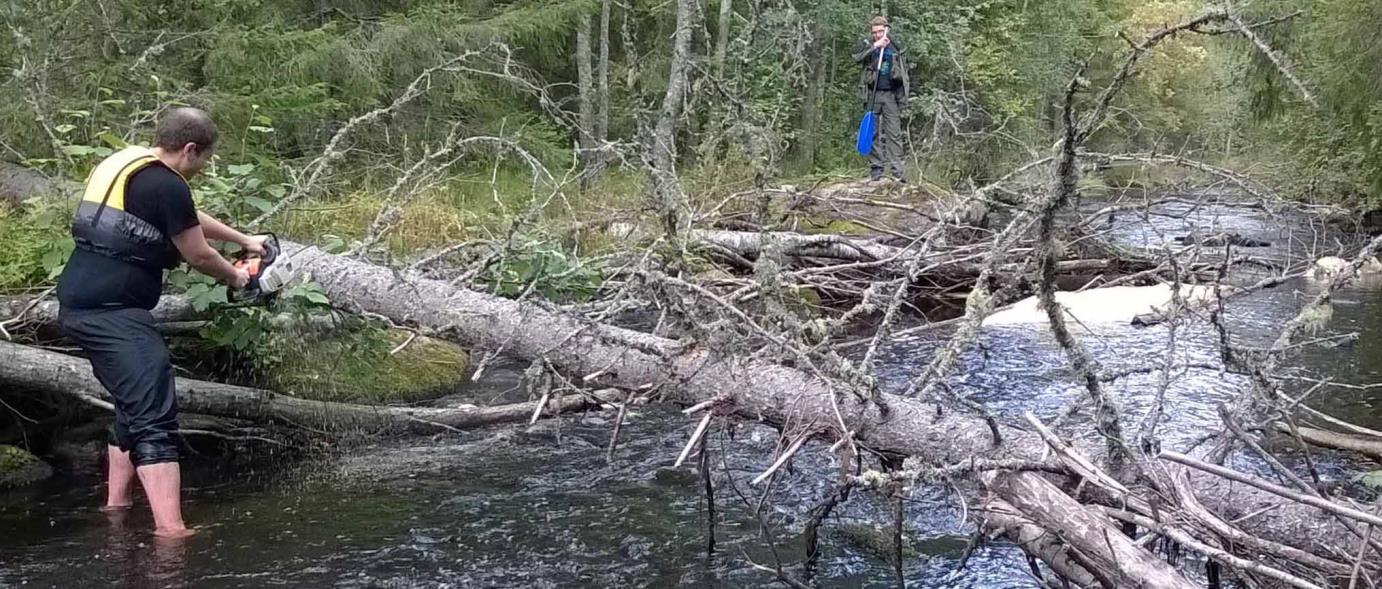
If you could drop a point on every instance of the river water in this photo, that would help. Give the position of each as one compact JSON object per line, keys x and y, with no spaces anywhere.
{"x":514,"y":506}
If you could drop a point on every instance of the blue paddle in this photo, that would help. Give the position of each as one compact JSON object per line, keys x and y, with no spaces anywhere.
{"x":866,"y":129}
{"x":867,"y":125}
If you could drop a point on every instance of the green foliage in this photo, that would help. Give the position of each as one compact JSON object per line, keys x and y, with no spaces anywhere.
{"x":18,"y":467}
{"x":1372,"y":480}
{"x":1337,"y":149}
{"x":37,"y":244}
{"x":282,"y":77}
{"x":544,"y":269}
{"x":344,"y":359}
{"x":237,"y":192}
{"x":241,"y":329}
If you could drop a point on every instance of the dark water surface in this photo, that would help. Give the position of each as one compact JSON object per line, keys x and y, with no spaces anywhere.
{"x":509,"y":506}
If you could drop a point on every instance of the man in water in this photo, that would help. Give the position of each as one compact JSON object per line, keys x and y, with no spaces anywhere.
{"x":885,"y":88}
{"x":137,"y":219}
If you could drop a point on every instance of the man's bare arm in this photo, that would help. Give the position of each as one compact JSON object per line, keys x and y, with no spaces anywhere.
{"x":205,"y":259}
{"x":212,"y":228}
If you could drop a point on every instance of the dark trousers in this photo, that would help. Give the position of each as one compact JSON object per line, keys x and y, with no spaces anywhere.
{"x":131,"y":360}
{"x":887,"y":137}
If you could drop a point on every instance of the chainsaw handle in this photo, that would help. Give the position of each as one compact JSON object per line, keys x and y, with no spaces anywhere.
{"x":254,"y":264}
{"x":271,"y":250}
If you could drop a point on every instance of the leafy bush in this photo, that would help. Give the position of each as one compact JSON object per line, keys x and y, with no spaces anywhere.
{"x":544,"y":269}
{"x":240,"y":328}
{"x":37,"y":243}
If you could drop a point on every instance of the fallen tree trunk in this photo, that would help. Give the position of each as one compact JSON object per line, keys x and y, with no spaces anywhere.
{"x":1001,"y":518}
{"x":1094,"y":542}
{"x":899,"y":205}
{"x":752,"y":244}
{"x":1366,"y":445}
{"x":601,"y":355}
{"x":861,"y":249}
{"x":171,"y":308}
{"x":40,"y":370}
{"x":174,"y":315}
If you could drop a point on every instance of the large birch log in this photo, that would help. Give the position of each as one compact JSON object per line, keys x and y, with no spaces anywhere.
{"x":1001,"y":518}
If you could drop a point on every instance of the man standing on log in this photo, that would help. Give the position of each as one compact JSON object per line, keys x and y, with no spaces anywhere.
{"x":884,"y":86}
{"x":137,"y":219}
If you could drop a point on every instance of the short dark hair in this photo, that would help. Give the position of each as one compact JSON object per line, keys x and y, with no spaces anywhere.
{"x":878,"y":21}
{"x":184,"y":125}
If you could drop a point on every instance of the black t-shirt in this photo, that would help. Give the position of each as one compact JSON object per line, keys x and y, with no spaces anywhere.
{"x":157,"y":195}
{"x":885,"y":69}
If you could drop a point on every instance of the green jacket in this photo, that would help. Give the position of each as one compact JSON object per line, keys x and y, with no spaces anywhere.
{"x":901,"y":81}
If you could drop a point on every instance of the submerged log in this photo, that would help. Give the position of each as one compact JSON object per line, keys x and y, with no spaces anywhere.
{"x":40,"y":370}
{"x":1220,"y":239}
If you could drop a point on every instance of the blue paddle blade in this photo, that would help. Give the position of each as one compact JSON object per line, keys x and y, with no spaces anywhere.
{"x":865,"y":141}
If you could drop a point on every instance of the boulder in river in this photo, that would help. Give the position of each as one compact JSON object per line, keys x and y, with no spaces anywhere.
{"x":19,"y":468}
{"x":1328,"y":266}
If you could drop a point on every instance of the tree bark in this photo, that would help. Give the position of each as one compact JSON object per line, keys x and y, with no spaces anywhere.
{"x":1001,"y":518}
{"x":170,"y":308}
{"x":812,"y":103}
{"x":587,"y":94}
{"x":602,"y":83}
{"x":751,"y":244}
{"x":669,"y":198}
{"x":1096,"y":544}
{"x":722,"y":38}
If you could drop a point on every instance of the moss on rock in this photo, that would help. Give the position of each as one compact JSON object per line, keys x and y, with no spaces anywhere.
{"x":359,"y":368}
{"x":18,"y":468}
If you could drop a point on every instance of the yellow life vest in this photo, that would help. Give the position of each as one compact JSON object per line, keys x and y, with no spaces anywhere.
{"x":102,"y":224}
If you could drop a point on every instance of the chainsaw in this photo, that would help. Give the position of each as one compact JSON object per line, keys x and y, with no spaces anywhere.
{"x":269,"y":272}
